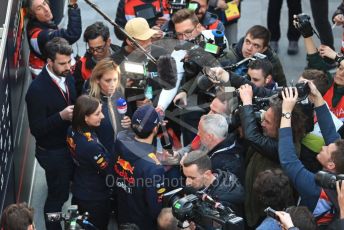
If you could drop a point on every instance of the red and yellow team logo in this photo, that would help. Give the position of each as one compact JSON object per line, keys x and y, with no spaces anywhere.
{"x":71,"y":144}
{"x":125,"y":165}
{"x":88,"y":136}
{"x":100,"y":160}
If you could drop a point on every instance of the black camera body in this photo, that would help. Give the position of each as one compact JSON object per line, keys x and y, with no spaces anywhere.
{"x":271,"y":213}
{"x":176,"y":5}
{"x":204,"y":214}
{"x":260,"y":104}
{"x":303,"y":18}
{"x":72,"y":219}
{"x":328,"y":180}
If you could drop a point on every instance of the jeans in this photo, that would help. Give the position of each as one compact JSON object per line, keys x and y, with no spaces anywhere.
{"x":58,"y":166}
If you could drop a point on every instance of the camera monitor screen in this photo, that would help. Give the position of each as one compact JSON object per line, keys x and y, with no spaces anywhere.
{"x":146,"y":11}
{"x":211,"y":48}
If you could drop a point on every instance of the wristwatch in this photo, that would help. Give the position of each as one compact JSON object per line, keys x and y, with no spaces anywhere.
{"x":287,"y":115}
{"x":339,"y":57}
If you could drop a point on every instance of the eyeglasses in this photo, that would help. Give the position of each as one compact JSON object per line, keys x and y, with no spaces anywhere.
{"x":99,"y":49}
{"x":186,"y":34}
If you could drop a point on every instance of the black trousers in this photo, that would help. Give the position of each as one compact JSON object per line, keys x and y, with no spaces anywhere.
{"x":58,"y":166}
{"x":274,"y":15}
{"x":99,"y":211}
{"x":321,"y":22}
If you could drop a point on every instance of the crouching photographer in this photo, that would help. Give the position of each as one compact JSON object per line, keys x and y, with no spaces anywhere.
{"x":319,"y":200}
{"x":214,"y":200}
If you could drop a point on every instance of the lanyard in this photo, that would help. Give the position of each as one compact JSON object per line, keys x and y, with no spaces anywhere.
{"x":67,"y":99}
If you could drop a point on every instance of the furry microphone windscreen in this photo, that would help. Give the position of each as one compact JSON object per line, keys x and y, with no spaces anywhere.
{"x":167,"y":71}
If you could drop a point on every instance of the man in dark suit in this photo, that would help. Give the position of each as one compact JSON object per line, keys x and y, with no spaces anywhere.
{"x":50,"y":100}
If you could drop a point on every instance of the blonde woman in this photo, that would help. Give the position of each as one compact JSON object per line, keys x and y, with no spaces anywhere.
{"x":105,"y":85}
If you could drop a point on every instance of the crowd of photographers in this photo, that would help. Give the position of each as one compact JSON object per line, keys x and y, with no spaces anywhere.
{"x":194,"y":131}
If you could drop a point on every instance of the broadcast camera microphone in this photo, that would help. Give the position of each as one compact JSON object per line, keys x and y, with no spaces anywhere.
{"x":167,"y":71}
{"x":202,"y":195}
{"x":189,"y":190}
{"x":205,"y":197}
{"x":122,"y":107}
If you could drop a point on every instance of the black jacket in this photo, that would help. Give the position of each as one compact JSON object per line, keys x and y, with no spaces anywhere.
{"x":227,"y":190}
{"x":140,"y":182}
{"x":93,"y":169}
{"x":228,"y":156}
{"x":266,"y":146}
{"x":50,"y":30}
{"x":44,"y":101}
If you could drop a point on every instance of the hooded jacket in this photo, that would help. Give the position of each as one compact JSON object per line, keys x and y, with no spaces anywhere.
{"x":40,"y":33}
{"x":227,"y":190}
{"x":234,"y":55}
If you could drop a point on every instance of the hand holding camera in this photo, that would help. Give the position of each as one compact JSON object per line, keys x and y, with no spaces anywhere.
{"x":314,"y":95}
{"x":303,"y":25}
{"x":340,"y":195}
{"x":246,"y":94}
{"x":289,"y":95}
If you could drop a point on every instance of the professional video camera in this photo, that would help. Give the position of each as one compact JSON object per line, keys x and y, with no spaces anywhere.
{"x":201,"y":209}
{"x":202,"y":51}
{"x":164,"y":76}
{"x":72,"y":219}
{"x":260,"y":104}
{"x":328,"y":180}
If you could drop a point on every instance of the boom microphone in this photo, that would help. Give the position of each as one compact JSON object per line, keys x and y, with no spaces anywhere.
{"x":167,"y":71}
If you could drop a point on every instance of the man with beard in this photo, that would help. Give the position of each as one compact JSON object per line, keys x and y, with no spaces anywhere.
{"x":41,"y":29}
{"x":222,"y":186}
{"x":50,"y":100}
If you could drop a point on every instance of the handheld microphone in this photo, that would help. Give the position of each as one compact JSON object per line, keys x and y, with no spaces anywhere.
{"x":167,"y":71}
{"x":122,"y":107}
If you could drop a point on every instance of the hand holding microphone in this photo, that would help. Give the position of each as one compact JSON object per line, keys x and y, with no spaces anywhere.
{"x":122,"y":108}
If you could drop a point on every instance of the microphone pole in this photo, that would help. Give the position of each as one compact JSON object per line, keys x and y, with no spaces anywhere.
{"x":107,"y":18}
